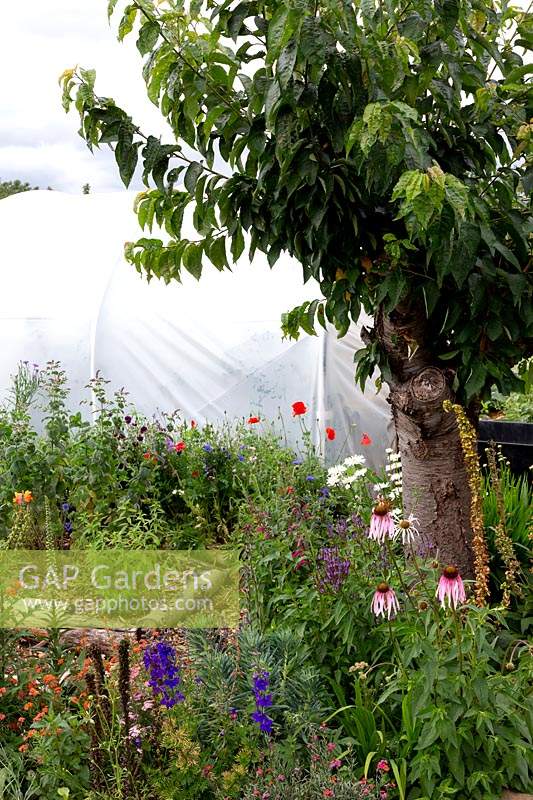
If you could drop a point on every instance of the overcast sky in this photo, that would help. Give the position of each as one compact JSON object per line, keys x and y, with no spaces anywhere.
{"x":38,"y":141}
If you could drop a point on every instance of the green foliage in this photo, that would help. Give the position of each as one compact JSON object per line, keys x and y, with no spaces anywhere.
{"x":61,"y":759}
{"x":300,"y":697}
{"x":15,"y":782}
{"x":467,"y":716}
{"x":438,"y":700}
{"x":125,"y":480}
{"x":518,"y":505}
{"x":387,"y":148}
{"x":517,"y":407}
{"x":8,"y":188}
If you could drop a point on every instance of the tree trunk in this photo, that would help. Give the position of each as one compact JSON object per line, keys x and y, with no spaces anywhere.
{"x":435,"y":482}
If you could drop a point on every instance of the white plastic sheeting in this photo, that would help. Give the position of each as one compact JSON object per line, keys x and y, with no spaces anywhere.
{"x":210,"y":348}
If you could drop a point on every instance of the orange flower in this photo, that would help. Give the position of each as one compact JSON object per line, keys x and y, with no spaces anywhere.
{"x":23,"y":748}
{"x":33,"y":692}
{"x":2,"y":717}
{"x":22,"y":497}
{"x":3,"y":690}
{"x":27,"y":706}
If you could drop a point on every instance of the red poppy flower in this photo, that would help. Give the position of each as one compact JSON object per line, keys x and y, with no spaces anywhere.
{"x":330,"y":433}
{"x":147,"y":455}
{"x":180,"y":447}
{"x":195,"y":473}
{"x":298,"y":408}
{"x":253,"y":420}
{"x":365,"y":439}
{"x":193,"y":423}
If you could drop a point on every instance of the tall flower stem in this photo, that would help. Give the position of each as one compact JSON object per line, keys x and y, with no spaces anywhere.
{"x":398,"y":572}
{"x":430,"y":595}
{"x":458,"y":637}
{"x":468,"y":437}
{"x":397,"y":648}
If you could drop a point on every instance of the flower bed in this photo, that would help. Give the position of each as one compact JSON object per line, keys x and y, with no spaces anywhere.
{"x":362,"y":666}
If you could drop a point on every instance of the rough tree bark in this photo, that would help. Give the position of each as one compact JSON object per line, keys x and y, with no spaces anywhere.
{"x":435,"y":483}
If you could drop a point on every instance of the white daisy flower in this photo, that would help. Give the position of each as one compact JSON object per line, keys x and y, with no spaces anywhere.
{"x":406,"y":527}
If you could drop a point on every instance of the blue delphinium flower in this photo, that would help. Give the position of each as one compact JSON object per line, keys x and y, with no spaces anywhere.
{"x":208,"y":448}
{"x":310,"y":478}
{"x":65,"y":506}
{"x":160,"y":662}
{"x":298,"y":461}
{"x":264,"y":722}
{"x":68,"y":526}
{"x":263,"y":699}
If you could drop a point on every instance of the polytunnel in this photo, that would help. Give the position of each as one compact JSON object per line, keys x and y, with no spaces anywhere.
{"x":211,"y":349}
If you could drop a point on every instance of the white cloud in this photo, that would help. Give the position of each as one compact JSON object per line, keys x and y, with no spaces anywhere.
{"x":38,"y":141}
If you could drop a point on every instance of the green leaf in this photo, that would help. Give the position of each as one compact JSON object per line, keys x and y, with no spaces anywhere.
{"x":111,"y":7}
{"x":518,"y":286}
{"x":410,"y":185}
{"x":311,"y":312}
{"x":89,"y":76}
{"x":127,"y":22}
{"x":448,"y":11}
{"x":192,"y":173}
{"x":217,"y":253}
{"x":518,"y":72}
{"x":280,"y":29}
{"x":272,"y":96}
{"x":286,"y":62}
{"x":429,"y":734}
{"x":192,"y":259}
{"x":431,"y":293}
{"x":126,"y":156}
{"x":456,"y":194}
{"x":476,"y":380}
{"x":237,"y":243}
{"x":148,"y":36}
